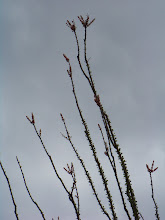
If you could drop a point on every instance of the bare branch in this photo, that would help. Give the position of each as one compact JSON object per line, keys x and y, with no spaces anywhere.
{"x":29,"y":191}
{"x":151,"y":170}
{"x":11,"y":193}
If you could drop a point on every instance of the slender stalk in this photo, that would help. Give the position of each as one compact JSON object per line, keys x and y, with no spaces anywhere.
{"x":29,"y":191}
{"x":11,"y":193}
{"x":153,"y":198}
{"x":87,"y":134}
{"x":152,"y":170}
{"x":85,"y":169}
{"x":109,"y":131}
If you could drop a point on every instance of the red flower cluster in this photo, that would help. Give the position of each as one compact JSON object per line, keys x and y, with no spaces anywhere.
{"x":151,"y":170}
{"x":86,"y":22}
{"x":97,"y":100}
{"x":31,"y":121}
{"x":71,"y":26}
{"x":70,"y":68}
{"x":70,"y":169}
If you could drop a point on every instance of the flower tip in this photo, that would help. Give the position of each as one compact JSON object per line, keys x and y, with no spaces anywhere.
{"x":67,"y":59}
{"x":33,"y":121}
{"x":62,"y":116}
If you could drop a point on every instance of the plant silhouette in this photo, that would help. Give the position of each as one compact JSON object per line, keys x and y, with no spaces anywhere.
{"x":112,"y":151}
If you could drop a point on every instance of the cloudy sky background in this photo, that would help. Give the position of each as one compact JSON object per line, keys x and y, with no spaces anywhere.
{"x":127,"y":50}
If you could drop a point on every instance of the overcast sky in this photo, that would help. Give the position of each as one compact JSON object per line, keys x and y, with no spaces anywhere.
{"x":127,"y":50}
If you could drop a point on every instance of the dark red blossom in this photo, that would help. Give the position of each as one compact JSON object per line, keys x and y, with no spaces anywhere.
{"x":32,"y":120}
{"x":71,"y":26}
{"x":85,"y":22}
{"x":67,"y":59}
{"x":97,"y":100}
{"x":151,"y":170}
